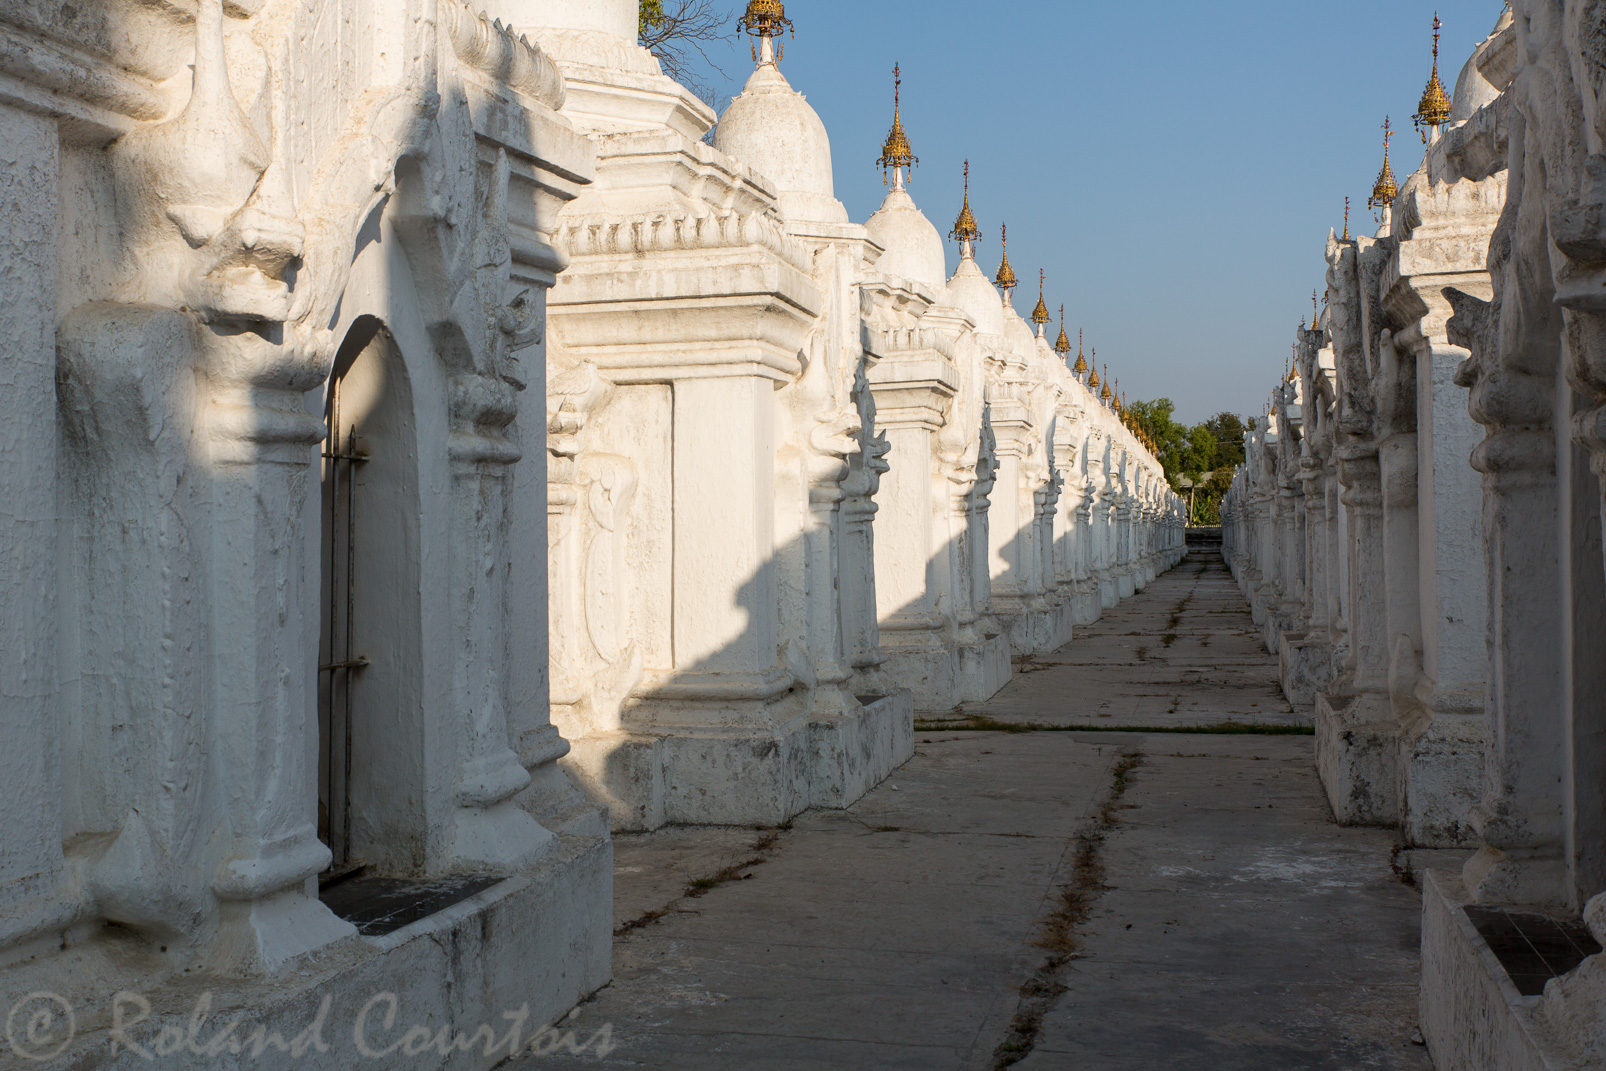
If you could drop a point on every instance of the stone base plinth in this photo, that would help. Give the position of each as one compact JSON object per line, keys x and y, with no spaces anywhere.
{"x":984,"y":669}
{"x":1306,"y":662}
{"x":526,"y":950}
{"x":1443,"y":768}
{"x":1357,"y":753}
{"x":1089,"y":607}
{"x":930,"y":669}
{"x":1471,"y":1015}
{"x":725,"y":775}
{"x":1039,"y":631}
{"x":1126,"y":585}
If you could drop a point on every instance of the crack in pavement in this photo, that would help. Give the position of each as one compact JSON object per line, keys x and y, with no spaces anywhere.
{"x":1059,"y":937}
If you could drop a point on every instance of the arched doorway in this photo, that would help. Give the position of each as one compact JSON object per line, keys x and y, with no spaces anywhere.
{"x":370,"y":707}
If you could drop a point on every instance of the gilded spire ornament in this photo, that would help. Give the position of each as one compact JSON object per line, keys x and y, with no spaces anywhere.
{"x":1315,"y":312}
{"x":965,"y":231}
{"x":1346,"y":221}
{"x":1040,"y":315}
{"x":1434,"y":109}
{"x":1093,"y":372}
{"x":1062,"y":345}
{"x":1386,"y":188}
{"x":765,"y":20}
{"x":1005,"y":279}
{"x":1104,"y":395}
{"x":1080,"y":368}
{"x":896,"y":153}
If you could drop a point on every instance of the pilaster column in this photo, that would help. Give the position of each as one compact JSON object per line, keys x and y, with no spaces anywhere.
{"x":490,"y":829}
{"x":261,"y":444}
{"x":1366,"y":667}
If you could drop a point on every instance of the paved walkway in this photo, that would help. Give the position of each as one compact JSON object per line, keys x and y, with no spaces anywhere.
{"x":1053,"y":898}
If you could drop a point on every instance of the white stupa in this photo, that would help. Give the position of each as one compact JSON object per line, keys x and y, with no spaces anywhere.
{"x":913,"y":248}
{"x":969,"y":290}
{"x":772,"y":129}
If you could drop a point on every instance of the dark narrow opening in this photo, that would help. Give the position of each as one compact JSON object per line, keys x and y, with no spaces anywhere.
{"x":339,"y":663}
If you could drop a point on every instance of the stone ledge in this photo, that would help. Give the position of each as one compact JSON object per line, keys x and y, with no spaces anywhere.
{"x":538,"y":941}
{"x":1357,"y":756}
{"x":1472,"y":1017}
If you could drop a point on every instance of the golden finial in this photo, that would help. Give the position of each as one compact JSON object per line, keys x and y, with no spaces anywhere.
{"x":764,"y":18}
{"x":1080,"y":368}
{"x":1093,"y":372}
{"x":1346,"y":221}
{"x":1005,"y":279}
{"x":1105,"y":395}
{"x":1040,"y":315}
{"x":896,"y":151}
{"x":965,"y":230}
{"x":1434,"y":109}
{"x":1062,"y":345}
{"x":1385,"y":189}
{"x":1315,"y":312}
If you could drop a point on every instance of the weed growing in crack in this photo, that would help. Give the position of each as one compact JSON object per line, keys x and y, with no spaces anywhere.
{"x":1058,"y":937}
{"x":703,"y":885}
{"x":1400,"y":863}
{"x":978,"y":723}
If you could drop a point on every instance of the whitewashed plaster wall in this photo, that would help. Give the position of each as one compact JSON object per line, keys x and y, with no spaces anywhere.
{"x":187,"y":256}
{"x":773,"y":473}
{"x":1489,"y":278}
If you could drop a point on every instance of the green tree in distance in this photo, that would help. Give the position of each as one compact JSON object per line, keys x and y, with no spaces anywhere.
{"x":1203,"y":456}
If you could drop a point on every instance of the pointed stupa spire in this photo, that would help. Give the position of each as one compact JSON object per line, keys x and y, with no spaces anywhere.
{"x":965,"y":231}
{"x":1434,"y":109}
{"x":765,"y":20}
{"x":1005,"y":279}
{"x":1386,"y":188}
{"x":1062,"y":345}
{"x":1346,"y":221}
{"x":1093,"y":372}
{"x":1104,"y":395}
{"x":896,"y":153}
{"x":1040,"y":315}
{"x":1080,"y":368}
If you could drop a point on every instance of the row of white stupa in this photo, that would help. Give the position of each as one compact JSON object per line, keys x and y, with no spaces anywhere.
{"x":406,"y":417}
{"x":1417,"y":528}
{"x":765,"y":639}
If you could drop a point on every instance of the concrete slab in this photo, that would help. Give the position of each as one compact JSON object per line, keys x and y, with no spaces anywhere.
{"x":1184,"y":652}
{"x":889,"y":935}
{"x":902,"y":931}
{"x":1239,"y":927}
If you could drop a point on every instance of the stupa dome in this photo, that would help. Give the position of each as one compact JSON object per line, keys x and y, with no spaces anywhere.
{"x":913,"y":247}
{"x":772,"y":130}
{"x":970,"y":291}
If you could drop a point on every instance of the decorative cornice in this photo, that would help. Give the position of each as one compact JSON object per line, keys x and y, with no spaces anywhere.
{"x":492,"y":49}
{"x":604,"y":235}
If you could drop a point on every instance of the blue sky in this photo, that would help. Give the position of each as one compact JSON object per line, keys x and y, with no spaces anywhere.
{"x":1174,"y":166}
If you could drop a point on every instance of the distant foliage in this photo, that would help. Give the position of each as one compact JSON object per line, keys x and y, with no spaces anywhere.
{"x":677,"y":33}
{"x":1204,"y":455}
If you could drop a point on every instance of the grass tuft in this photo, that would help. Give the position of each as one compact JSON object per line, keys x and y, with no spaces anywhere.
{"x":980,"y":723}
